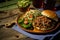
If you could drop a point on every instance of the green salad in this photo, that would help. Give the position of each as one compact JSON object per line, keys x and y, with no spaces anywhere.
{"x":24,"y":3}
{"x":23,"y":23}
{"x":27,"y":19}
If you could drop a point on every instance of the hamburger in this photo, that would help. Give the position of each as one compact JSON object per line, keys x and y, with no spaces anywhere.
{"x":47,"y":21}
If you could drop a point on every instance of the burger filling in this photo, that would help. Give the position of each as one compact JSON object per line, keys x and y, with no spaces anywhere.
{"x":43,"y":23}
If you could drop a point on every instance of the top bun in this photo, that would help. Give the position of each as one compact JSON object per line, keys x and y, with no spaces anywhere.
{"x":50,"y":14}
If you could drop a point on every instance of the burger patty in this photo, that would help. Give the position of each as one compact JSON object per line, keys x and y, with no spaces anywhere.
{"x":43,"y":23}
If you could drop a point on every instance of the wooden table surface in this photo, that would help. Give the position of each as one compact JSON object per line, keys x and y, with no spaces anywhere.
{"x":6,"y":19}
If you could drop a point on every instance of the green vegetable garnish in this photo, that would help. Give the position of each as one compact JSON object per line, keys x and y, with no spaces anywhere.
{"x":20,"y":20}
{"x":27,"y":26}
{"x":24,"y":3}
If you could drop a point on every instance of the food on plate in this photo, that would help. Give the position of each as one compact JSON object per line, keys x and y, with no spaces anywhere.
{"x":50,"y":14}
{"x":25,"y":23}
{"x":47,"y":21}
{"x":27,"y":19}
{"x":39,"y":20}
